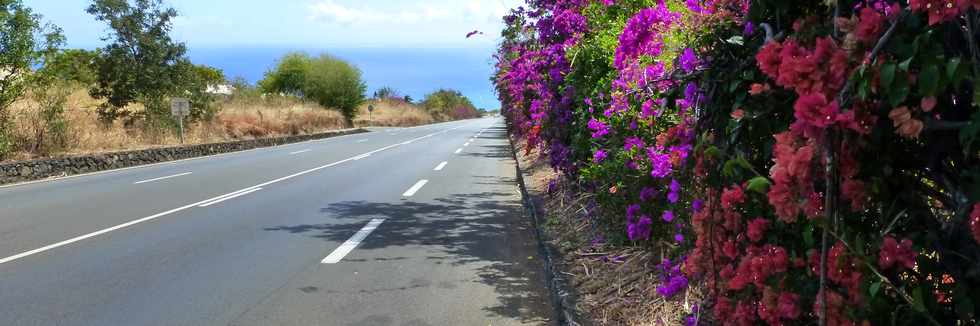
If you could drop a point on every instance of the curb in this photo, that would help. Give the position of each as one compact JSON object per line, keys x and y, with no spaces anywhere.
{"x":562,"y":295}
{"x":49,"y":169}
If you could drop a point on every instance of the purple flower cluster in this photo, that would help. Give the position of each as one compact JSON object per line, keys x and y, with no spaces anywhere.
{"x":688,"y":60}
{"x":660,"y":162}
{"x":642,"y":35}
{"x":672,"y":278}
{"x":599,"y":156}
{"x":599,"y":128}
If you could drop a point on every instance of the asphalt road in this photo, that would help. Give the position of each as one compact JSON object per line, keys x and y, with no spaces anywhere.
{"x":415,"y":226}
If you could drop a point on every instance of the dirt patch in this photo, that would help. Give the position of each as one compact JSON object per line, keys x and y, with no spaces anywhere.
{"x":613,"y":285}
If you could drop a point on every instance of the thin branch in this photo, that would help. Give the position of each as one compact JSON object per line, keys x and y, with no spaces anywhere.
{"x":908,"y":299}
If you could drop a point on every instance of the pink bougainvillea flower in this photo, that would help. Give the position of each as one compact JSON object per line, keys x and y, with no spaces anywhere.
{"x":928,"y":103}
{"x":975,"y":222}
{"x":757,"y":229}
{"x":896,"y":254}
{"x":738,"y":114}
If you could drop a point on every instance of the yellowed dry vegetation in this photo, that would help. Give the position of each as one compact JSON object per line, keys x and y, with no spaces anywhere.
{"x":237,"y":119}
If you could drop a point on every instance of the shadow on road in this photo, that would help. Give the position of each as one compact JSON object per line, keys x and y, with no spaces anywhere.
{"x":484,"y":228}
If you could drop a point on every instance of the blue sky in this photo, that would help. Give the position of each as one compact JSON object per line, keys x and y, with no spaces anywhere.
{"x":313,"y":25}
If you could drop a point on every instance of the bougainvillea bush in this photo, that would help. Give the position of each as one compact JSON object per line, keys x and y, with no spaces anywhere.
{"x":804,"y":162}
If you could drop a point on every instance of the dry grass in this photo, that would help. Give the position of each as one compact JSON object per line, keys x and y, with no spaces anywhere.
{"x":392,"y":113}
{"x":237,"y":119}
{"x":615,"y":285}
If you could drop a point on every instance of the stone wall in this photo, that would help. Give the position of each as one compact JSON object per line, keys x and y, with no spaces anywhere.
{"x":58,"y":167}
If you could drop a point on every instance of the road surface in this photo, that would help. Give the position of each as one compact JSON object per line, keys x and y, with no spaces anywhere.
{"x":416,"y":226}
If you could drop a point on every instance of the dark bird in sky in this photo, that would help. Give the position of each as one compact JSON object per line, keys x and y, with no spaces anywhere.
{"x":470,"y":34}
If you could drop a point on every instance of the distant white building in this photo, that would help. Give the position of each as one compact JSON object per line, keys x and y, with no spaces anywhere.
{"x":225,"y":89}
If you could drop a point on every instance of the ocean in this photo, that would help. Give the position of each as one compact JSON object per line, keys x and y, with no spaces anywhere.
{"x":413,"y":72}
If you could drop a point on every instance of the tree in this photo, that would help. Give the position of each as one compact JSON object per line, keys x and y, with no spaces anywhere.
{"x":385,"y":93}
{"x":334,"y":83}
{"x":24,"y":44}
{"x":289,"y":75}
{"x":200,"y":80}
{"x":72,"y":65}
{"x":141,"y":62}
{"x":449,"y":104}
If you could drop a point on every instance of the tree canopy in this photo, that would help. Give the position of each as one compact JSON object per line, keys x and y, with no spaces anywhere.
{"x":141,"y":62}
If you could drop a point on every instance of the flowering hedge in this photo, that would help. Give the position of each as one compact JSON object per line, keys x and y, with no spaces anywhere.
{"x":803,"y":161}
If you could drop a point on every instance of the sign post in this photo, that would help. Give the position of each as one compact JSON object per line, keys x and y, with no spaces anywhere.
{"x":371,"y":112}
{"x":180,"y":108}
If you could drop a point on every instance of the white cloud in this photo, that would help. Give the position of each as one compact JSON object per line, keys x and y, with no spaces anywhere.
{"x":407,"y":22}
{"x":412,"y":12}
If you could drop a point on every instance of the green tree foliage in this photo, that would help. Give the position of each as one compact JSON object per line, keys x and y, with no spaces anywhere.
{"x":24,"y":43}
{"x":197,"y":84}
{"x":327,"y":80}
{"x":141,"y":62}
{"x":334,"y":83}
{"x":73,"y":65}
{"x":289,"y":75}
{"x":449,"y":104}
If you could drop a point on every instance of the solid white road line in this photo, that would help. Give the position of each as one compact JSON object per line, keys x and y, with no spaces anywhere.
{"x":352,"y":243}
{"x":242,"y":193}
{"x":459,"y":151}
{"x":418,"y":186}
{"x":162,"y":178}
{"x":301,"y":152}
{"x":360,"y":157}
{"x":188,"y":206}
{"x":441,"y":166}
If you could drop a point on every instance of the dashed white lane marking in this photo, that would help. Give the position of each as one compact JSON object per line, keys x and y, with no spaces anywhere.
{"x":362,"y":141}
{"x":352,"y":243}
{"x":229,"y":197}
{"x":301,"y":152}
{"x":189,"y":206}
{"x":459,"y":151}
{"x":466,"y":145}
{"x":441,"y":166}
{"x":418,"y":186}
{"x":162,"y":178}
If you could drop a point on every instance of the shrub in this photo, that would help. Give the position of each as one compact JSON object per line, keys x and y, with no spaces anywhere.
{"x":327,"y":80}
{"x":46,"y":125}
{"x":25,"y":43}
{"x":804,"y":163}
{"x":449,"y":104}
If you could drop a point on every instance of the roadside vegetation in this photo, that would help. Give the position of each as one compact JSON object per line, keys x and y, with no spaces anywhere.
{"x":56,"y":101}
{"x":755,"y":162}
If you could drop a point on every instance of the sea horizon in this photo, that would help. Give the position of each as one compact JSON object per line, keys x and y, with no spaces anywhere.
{"x":411,"y":71}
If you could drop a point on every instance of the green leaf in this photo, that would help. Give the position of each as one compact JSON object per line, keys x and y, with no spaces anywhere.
{"x":874,"y":288}
{"x":952,"y":66}
{"x":899,"y":90}
{"x":929,"y":80}
{"x":712,"y":152}
{"x":904,"y":65}
{"x":964,"y":303}
{"x":729,"y":169}
{"x":969,"y":133}
{"x":887,"y":75}
{"x":918,"y":300}
{"x":759,"y":184}
{"x":808,"y":236}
